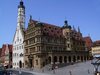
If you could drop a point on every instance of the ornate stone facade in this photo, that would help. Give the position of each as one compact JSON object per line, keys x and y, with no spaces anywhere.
{"x":50,"y":44}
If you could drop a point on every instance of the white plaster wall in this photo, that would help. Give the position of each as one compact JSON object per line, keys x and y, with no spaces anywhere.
{"x":17,"y":48}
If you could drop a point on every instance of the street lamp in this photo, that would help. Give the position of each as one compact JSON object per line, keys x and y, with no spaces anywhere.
{"x":96,"y":62}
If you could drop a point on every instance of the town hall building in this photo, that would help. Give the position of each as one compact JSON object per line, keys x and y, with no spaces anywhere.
{"x":50,"y":44}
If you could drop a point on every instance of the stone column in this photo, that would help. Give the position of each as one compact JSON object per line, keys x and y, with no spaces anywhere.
{"x":76,"y":58}
{"x":52,"y":59}
{"x":62,"y":59}
{"x":67,"y":59}
{"x":71,"y":59}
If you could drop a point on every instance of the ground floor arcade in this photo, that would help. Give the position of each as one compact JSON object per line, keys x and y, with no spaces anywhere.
{"x":39,"y":60}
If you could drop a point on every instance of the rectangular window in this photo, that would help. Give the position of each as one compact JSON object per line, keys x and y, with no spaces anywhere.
{"x":31,"y":50}
{"x":26,"y":50}
{"x":22,"y":46}
{"x":36,"y":62}
{"x":38,"y":48}
{"x":38,"y":39}
{"x":68,"y":46}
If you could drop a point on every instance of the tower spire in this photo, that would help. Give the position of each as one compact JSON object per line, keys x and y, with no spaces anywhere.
{"x":30,"y":18}
{"x":78,"y":29}
{"x":21,"y":4}
{"x":74,"y":28}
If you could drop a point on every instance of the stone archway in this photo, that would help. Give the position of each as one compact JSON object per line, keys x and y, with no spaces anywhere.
{"x":69,"y":59}
{"x":78,"y":58}
{"x":85,"y":58}
{"x":49,"y":59}
{"x":46,"y":61}
{"x":74,"y":59}
{"x":60,"y":59}
{"x":20,"y":64}
{"x":30,"y":63}
{"x":55,"y":59}
{"x":81,"y":58}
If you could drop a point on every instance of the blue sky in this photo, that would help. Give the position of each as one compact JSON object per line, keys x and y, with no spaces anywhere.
{"x":82,"y":13}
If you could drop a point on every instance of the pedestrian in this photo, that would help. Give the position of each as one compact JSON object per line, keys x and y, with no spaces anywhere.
{"x":70,"y":73}
{"x":88,"y":71}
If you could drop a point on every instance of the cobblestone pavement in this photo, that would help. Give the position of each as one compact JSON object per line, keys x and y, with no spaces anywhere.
{"x":84,"y":68}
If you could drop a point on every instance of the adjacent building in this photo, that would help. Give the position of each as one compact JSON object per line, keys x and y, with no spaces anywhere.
{"x":0,"y":55}
{"x":96,"y":48}
{"x":88,"y":43}
{"x":51,"y":44}
{"x":18,"y":44}
{"x":6,"y":55}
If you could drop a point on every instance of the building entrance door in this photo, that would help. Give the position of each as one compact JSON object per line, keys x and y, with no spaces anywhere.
{"x":20,"y":64}
{"x":30,"y":63}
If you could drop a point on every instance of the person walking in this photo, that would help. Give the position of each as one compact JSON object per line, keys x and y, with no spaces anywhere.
{"x":70,"y":73}
{"x":88,"y":71}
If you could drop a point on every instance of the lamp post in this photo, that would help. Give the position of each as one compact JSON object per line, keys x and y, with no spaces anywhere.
{"x":96,"y":62}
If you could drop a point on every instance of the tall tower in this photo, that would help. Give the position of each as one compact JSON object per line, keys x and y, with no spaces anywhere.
{"x":21,"y":16}
{"x":18,"y":45}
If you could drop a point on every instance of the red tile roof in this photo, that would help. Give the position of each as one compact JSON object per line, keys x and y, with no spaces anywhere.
{"x":88,"y":41}
{"x":48,"y":29}
{"x":96,"y":43}
{"x":53,"y":30}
